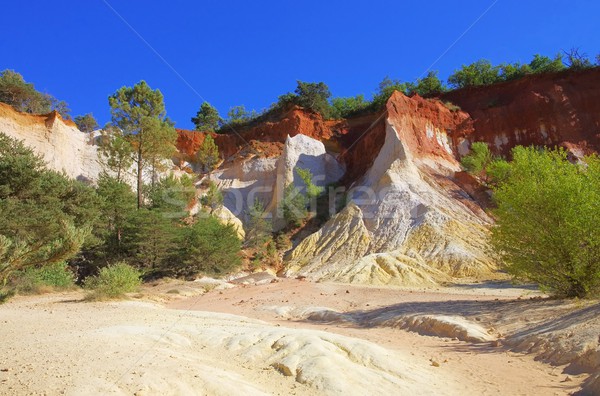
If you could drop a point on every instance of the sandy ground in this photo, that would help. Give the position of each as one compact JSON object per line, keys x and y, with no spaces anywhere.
{"x":287,"y":337}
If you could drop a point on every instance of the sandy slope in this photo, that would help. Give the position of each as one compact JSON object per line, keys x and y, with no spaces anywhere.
{"x":56,"y":344}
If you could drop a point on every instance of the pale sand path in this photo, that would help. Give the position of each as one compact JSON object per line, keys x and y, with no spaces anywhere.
{"x":480,"y":368}
{"x":56,"y":344}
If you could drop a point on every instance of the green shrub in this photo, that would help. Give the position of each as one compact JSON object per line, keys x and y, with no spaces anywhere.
{"x":294,"y":206}
{"x":208,"y":247}
{"x":45,"y":217}
{"x":48,"y":278}
{"x":429,"y":86}
{"x":547,"y":221}
{"x":481,"y":72}
{"x":477,"y":161}
{"x":113,"y":281}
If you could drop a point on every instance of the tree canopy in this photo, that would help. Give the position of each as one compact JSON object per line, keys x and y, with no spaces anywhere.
{"x":45,"y":217}
{"x":139,"y":112}
{"x":23,"y":96}
{"x":548,"y":211}
{"x":86,"y":123}
{"x":207,"y":118}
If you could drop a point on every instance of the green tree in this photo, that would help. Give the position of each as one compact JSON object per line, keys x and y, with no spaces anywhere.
{"x":513,"y":71}
{"x":45,"y":217}
{"x":547,"y":221}
{"x":60,"y":106}
{"x":239,"y":115}
{"x":208,"y":247}
{"x":313,"y":96}
{"x":386,"y":88}
{"x":483,"y":164}
{"x":213,"y":197}
{"x":428,"y":86}
{"x":577,"y":60}
{"x":293,"y":206}
{"x":160,"y":146}
{"x":258,"y":227}
{"x":86,"y":123}
{"x":312,"y":190}
{"x":208,"y":155}
{"x":481,"y":72}
{"x":543,"y":64}
{"x":346,"y":107}
{"x":172,"y":196}
{"x":150,"y":238}
{"x":115,"y":151}
{"x":118,"y":204}
{"x":22,"y":95}
{"x":477,"y":161}
{"x":207,"y":118}
{"x":140,"y":113}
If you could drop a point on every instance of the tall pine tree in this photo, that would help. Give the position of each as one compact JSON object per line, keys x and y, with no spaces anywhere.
{"x":140,"y":113}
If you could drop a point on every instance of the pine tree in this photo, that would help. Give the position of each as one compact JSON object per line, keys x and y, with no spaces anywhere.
{"x":208,"y":155}
{"x":207,"y":118}
{"x":115,"y":151}
{"x":140,"y":113}
{"x":86,"y":123}
{"x":45,"y":218}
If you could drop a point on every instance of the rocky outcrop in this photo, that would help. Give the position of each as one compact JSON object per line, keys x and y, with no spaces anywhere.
{"x":58,"y":141}
{"x":559,"y":109}
{"x":245,"y":180}
{"x":407,"y":221}
{"x":264,"y":138}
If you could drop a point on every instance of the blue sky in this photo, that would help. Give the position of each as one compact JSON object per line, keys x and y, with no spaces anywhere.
{"x":239,"y":52}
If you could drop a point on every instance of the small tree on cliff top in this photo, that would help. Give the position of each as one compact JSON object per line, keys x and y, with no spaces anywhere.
{"x":207,"y":118}
{"x":86,"y":123}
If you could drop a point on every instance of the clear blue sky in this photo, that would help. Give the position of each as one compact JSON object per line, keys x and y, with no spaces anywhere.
{"x":249,"y":52}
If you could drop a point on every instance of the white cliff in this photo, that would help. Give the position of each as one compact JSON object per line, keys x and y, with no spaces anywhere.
{"x":60,"y":143}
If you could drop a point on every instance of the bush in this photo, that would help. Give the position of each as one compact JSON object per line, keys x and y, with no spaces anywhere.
{"x":43,"y":279}
{"x":477,"y":161}
{"x":429,"y":86}
{"x":45,"y":217}
{"x":478,"y":73}
{"x":113,"y":281}
{"x":547,"y":221}
{"x":207,"y":246}
{"x":347,"y":107}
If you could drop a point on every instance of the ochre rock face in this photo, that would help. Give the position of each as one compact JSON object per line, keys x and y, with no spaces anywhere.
{"x":267,"y":138}
{"x":546,"y":109}
{"x":407,"y":221}
{"x":188,"y":143}
{"x":433,"y":122}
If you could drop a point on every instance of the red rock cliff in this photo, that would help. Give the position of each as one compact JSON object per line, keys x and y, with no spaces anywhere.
{"x":545,"y":109}
{"x":426,"y":127}
{"x":267,"y":138}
